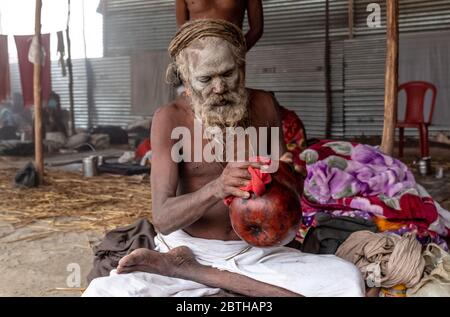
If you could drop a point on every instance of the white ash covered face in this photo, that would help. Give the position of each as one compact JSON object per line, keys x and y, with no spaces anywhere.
{"x":213,"y":75}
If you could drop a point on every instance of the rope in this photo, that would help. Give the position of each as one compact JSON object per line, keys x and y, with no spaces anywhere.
{"x":201,"y":28}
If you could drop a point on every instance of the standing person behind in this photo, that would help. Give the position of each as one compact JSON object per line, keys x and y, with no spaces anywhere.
{"x":229,"y":10}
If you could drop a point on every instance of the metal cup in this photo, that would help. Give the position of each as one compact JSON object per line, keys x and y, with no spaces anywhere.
{"x":440,"y":172}
{"x":424,"y":166}
{"x":100,"y":161}
{"x":90,"y":166}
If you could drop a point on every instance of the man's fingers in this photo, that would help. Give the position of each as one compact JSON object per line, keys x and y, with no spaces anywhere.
{"x":245,"y":165}
{"x":238,"y":173}
{"x":238,"y":193}
{"x":129,"y":269}
{"x":237,"y":182}
{"x":256,"y":164}
{"x":123,"y":262}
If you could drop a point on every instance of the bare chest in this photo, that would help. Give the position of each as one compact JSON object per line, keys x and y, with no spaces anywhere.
{"x":225,"y":9}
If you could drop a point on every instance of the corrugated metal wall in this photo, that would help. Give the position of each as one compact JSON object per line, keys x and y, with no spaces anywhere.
{"x":364,"y":86}
{"x":111,"y":90}
{"x":364,"y":79}
{"x":288,"y":59}
{"x":142,"y":24}
{"x":137,"y":25}
{"x":358,"y":88}
{"x":298,"y":83}
{"x":415,"y":15}
{"x":364,"y":60}
{"x":132,"y":25}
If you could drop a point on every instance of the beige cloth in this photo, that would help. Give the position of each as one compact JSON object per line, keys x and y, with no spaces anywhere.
{"x":436,"y":282}
{"x":385,"y":260}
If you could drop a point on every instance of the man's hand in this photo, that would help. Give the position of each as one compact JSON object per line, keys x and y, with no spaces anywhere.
{"x":234,"y":176}
{"x":287,"y":158}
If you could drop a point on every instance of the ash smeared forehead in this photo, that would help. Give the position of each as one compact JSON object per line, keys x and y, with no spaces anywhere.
{"x":210,"y":53}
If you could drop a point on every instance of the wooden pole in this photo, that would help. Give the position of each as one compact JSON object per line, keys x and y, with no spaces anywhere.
{"x":39,"y":159}
{"x":327,"y":62}
{"x":351,"y":19}
{"x":70,"y":68}
{"x":391,"y":79}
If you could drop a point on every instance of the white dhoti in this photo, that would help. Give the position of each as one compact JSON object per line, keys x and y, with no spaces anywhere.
{"x":302,"y":273}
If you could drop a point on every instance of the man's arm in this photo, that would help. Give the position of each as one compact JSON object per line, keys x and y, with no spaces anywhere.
{"x":171,"y":212}
{"x":256,"y":22}
{"x":182,"y":12}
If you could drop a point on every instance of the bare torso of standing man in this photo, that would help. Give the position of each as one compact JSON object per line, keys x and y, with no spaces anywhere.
{"x":229,"y":10}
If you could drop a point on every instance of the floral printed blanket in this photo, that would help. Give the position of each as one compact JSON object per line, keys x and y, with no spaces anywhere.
{"x":357,"y":180}
{"x":294,"y":135}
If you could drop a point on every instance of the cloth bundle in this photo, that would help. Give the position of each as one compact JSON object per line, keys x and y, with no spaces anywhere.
{"x":436,"y":282}
{"x":385,"y":260}
{"x":26,"y":177}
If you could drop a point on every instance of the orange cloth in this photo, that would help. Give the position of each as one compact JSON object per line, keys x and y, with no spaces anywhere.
{"x":386,"y":225}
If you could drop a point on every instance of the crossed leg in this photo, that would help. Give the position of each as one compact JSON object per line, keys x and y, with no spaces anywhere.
{"x":180,"y":263}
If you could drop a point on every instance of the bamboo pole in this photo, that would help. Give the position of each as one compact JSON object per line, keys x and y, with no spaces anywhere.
{"x":351,"y":19}
{"x":39,"y":160}
{"x":70,"y":68}
{"x":391,"y":78}
{"x":327,"y":62}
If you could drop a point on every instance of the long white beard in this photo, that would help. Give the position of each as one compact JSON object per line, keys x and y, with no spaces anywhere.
{"x":230,"y":115}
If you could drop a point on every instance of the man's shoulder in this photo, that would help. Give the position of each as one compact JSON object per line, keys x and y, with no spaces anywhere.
{"x":259,"y":93}
{"x":262,"y":100}
{"x":173,"y":111}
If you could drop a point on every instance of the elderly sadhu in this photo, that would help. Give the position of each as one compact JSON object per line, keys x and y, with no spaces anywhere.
{"x":197,"y":251}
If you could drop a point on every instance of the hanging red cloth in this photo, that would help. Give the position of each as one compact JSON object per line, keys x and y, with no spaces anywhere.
{"x":26,"y":68}
{"x":5,"y":86}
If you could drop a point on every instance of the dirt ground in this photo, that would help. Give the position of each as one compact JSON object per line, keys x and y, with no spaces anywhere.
{"x":46,"y":267}
{"x":43,"y":267}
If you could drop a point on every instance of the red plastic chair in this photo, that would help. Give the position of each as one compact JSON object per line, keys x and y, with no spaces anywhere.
{"x":414,"y":117}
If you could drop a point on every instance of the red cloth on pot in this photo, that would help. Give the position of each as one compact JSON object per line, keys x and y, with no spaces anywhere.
{"x":258,"y":182}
